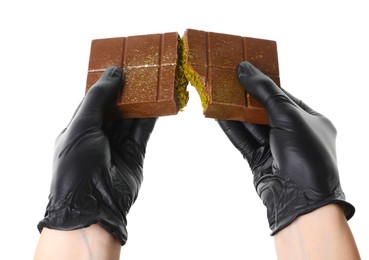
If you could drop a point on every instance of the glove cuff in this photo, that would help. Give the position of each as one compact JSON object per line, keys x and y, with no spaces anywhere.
{"x":95,"y":205}
{"x":285,"y":202}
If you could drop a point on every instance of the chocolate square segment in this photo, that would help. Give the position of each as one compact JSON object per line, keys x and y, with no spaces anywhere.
{"x":149,"y":64}
{"x":214,"y":58}
{"x":105,"y":53}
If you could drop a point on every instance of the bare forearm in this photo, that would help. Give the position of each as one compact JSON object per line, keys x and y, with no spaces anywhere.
{"x":321,"y":234}
{"x":88,"y":243}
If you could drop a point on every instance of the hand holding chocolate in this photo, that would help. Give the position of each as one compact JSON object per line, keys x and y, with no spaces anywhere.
{"x":293,"y":159}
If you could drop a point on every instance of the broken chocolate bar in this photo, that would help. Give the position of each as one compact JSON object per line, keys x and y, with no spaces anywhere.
{"x":158,"y":67}
{"x":210,"y":66}
{"x":154,"y":84}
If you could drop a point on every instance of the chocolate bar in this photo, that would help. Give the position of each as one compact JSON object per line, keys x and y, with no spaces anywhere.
{"x":210,"y":66}
{"x":154,"y":84}
{"x":158,"y":68}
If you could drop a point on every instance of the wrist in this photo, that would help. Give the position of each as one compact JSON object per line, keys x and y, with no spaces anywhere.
{"x":84,"y":243}
{"x":322,"y":234}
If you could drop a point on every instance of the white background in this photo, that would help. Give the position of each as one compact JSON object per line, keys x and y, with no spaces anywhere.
{"x":197,"y":200}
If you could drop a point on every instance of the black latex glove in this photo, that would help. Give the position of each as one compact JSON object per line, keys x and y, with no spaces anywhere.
{"x":293,"y":159}
{"x":97,"y":169}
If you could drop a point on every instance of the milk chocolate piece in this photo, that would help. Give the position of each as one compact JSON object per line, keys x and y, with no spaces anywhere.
{"x":211,"y":61}
{"x":150,"y":67}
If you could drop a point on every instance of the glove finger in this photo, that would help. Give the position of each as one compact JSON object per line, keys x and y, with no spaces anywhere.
{"x":99,"y":97}
{"x":137,"y":130}
{"x":255,"y":82}
{"x":240,"y":137}
{"x":301,"y":104}
{"x":259,"y":132}
{"x":142,"y":129}
{"x":281,"y":109}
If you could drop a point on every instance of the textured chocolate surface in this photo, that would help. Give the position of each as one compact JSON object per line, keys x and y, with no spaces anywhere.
{"x":149,"y":63}
{"x":214,"y":57}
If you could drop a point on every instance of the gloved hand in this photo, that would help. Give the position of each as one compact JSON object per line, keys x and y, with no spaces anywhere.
{"x":97,"y":168}
{"x":293,"y":159}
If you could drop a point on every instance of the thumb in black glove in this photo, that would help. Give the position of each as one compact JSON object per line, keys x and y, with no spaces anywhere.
{"x":293,"y":160}
{"x":97,"y":168}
